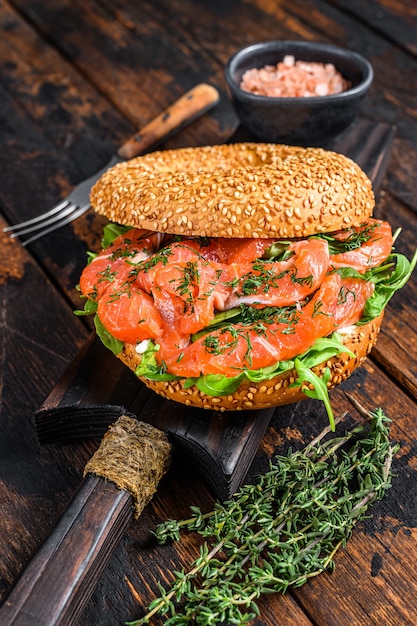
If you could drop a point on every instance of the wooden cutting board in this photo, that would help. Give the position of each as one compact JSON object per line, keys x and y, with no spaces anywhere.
{"x":97,"y":388}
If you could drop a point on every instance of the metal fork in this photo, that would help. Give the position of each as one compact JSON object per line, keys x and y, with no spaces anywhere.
{"x":73,"y":206}
{"x":191,"y":105}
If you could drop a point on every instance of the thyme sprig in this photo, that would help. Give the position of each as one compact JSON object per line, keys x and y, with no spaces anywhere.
{"x":281,"y":530}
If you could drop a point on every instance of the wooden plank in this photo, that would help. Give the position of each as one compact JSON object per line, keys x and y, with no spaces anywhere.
{"x":396,"y":348}
{"x":30,"y":477}
{"x":397,"y":21}
{"x":39,"y":86}
{"x":61,"y":114}
{"x":97,"y":42}
{"x":381,"y":551}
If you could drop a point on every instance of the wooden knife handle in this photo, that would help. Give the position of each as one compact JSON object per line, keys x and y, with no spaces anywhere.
{"x":192,"y":104}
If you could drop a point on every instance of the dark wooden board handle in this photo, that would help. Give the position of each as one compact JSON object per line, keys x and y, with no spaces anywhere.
{"x":120,"y":480}
{"x":192,"y":104}
{"x":62,"y":575}
{"x":97,"y":387}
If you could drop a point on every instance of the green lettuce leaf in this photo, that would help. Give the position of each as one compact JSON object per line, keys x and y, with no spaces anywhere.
{"x":90,"y":307}
{"x":219,"y":385}
{"x":387,"y":282}
{"x":320,"y":390}
{"x":111,"y":231}
{"x":149,"y":367}
{"x":109,"y":341}
{"x":215,"y":384}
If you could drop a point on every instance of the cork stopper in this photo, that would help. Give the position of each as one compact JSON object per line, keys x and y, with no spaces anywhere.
{"x":134,"y":456}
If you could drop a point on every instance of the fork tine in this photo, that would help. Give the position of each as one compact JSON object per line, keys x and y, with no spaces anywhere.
{"x":77,"y":212}
{"x":17,"y":227}
{"x":69,"y":209}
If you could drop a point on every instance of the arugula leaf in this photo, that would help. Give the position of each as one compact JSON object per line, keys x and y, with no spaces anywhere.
{"x":388,"y":278}
{"x":108,"y":340}
{"x":215,"y":384}
{"x":90,"y":256}
{"x":149,"y":367}
{"x":90,"y":307}
{"x":386,"y":284}
{"x":349,"y":272}
{"x":220,"y":319}
{"x":319,"y":391}
{"x":353,"y":241}
{"x":324,"y":349}
{"x":278,"y":251}
{"x":111,"y":231}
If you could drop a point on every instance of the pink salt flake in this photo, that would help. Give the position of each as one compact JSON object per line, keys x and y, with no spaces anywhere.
{"x":291,"y":79}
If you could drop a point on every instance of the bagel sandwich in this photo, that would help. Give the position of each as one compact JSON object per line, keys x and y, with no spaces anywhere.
{"x":240,"y":276}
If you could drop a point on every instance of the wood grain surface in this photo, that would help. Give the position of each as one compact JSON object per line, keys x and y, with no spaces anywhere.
{"x":77,"y":78}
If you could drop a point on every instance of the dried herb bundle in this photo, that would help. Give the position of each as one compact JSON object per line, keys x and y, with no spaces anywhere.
{"x":280,"y":531}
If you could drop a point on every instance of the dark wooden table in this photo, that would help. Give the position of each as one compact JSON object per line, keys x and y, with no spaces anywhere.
{"x":76,"y":79}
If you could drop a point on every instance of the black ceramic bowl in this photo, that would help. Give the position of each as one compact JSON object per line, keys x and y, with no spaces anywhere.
{"x":303,"y":120}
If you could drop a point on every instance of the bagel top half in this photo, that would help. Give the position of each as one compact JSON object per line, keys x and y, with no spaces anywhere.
{"x":237,"y":190}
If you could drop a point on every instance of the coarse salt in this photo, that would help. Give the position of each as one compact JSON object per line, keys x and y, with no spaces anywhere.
{"x":292,"y":79}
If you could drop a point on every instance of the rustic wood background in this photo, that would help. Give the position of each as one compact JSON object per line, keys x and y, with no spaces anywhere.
{"x":76,"y":79}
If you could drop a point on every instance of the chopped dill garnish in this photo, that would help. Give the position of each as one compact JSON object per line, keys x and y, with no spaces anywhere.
{"x":353,"y":241}
{"x":344,"y":294}
{"x":190,"y":278}
{"x":161,"y":256}
{"x":262,"y":280}
{"x":304,"y":281}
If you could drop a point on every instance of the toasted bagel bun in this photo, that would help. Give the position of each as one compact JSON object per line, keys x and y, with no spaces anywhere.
{"x":244,"y":190}
{"x":269,"y":393}
{"x":236,"y":190}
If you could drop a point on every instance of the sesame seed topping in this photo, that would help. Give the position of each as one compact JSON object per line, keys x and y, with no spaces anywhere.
{"x":272,"y":184}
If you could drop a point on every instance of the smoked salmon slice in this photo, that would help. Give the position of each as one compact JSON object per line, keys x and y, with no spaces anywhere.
{"x":281,"y":283}
{"x":282,"y":295}
{"x":371,"y":252}
{"x":337,"y":303}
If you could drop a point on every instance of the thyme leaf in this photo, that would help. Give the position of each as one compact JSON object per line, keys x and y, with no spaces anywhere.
{"x":280,"y":531}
